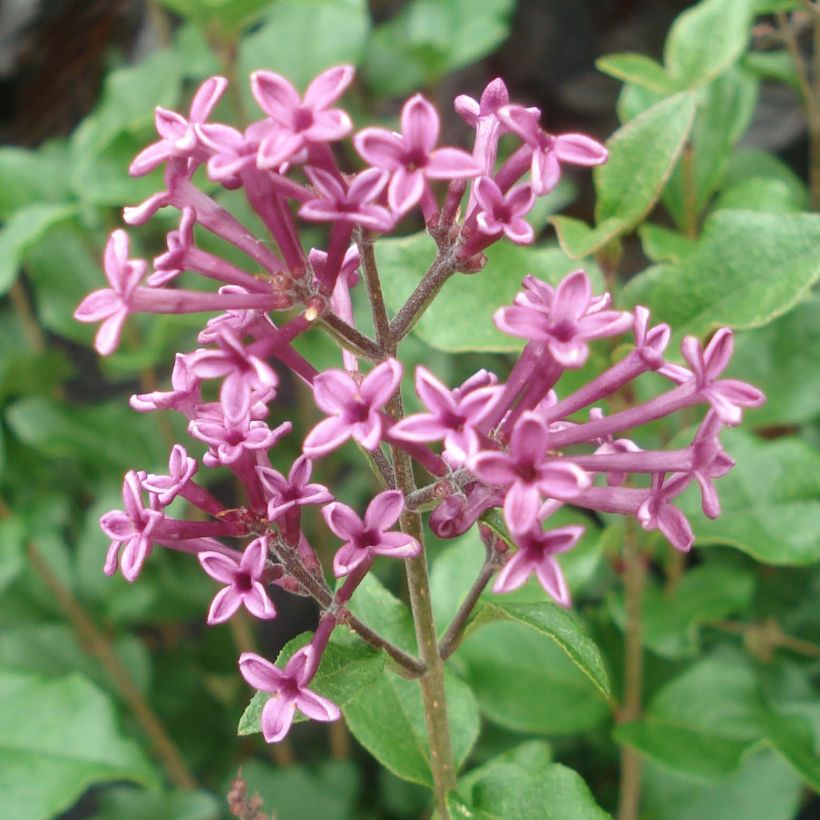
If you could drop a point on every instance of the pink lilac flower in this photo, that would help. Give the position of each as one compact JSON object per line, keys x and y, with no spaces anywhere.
{"x":528,"y":472}
{"x":727,"y":396}
{"x":243,"y":579}
{"x":411,"y":156}
{"x":503,"y":213}
{"x":178,"y":136}
{"x":112,"y":305}
{"x":243,"y":373}
{"x":286,"y":493}
{"x":657,"y":513}
{"x":536,"y":549}
{"x":709,"y":461}
{"x":131,"y":529}
{"x":353,"y":408}
{"x":184,"y":395}
{"x":367,"y":537}
{"x":289,"y":692}
{"x":564,"y":318}
{"x":229,"y":439}
{"x":181,"y":468}
{"x":354,"y":204}
{"x":453,"y":416}
{"x":300,"y":121}
{"x":549,"y":151}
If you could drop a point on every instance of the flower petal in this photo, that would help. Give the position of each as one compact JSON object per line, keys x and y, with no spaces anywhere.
{"x":384,"y":510}
{"x":317,"y":707}
{"x":328,"y":86}
{"x":224,"y":604}
{"x":277,"y":717}
{"x":261,"y":673}
{"x":220,"y":567}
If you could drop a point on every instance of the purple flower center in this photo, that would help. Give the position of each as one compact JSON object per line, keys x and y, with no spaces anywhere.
{"x":527,"y":471}
{"x":414,"y":159}
{"x":357,"y":411}
{"x":367,"y":538}
{"x":563,"y":331}
{"x":243,"y":581}
{"x":302,"y":118}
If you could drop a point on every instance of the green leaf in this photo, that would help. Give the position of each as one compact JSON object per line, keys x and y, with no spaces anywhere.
{"x":23,"y":229}
{"x":705,"y":721}
{"x":387,"y":718}
{"x":744,"y":165}
{"x":460,"y":319}
{"x":427,"y":39}
{"x":663,"y":244}
{"x":748,"y":268}
{"x":780,"y":359}
{"x":228,"y":15}
{"x":770,"y":501}
{"x":328,"y":792}
{"x":725,"y":107}
{"x":706,"y":39}
{"x":638,"y":69}
{"x":300,"y":38}
{"x":348,"y":665}
{"x":707,"y":593}
{"x":52,"y":650}
{"x":58,"y":737}
{"x":128,"y":803}
{"x":29,"y":177}
{"x":555,"y":623}
{"x":773,"y":65}
{"x":376,"y":606}
{"x":104,"y":437}
{"x":129,"y":98}
{"x":642,"y":154}
{"x":12,"y":538}
{"x":524,"y":784}
{"x":528,"y":683}
{"x":763,"y":786}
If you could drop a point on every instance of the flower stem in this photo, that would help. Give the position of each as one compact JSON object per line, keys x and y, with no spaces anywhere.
{"x":443,"y":267}
{"x":101,"y":647}
{"x":452,"y":637}
{"x":432,"y":682}
{"x":634,"y":578}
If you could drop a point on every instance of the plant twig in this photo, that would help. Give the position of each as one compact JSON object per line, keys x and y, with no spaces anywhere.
{"x":99,"y":645}
{"x":634,"y":579}
{"x":452,"y":637}
{"x":432,"y":682}
{"x":353,"y":340}
{"x":384,"y":335}
{"x":320,"y":592}
{"x":443,"y":267}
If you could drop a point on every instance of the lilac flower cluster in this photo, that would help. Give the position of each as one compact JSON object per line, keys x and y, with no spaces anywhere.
{"x":503,"y":445}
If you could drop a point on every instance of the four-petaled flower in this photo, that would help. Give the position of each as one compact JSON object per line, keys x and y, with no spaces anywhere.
{"x":369,"y":537}
{"x":411,"y":156}
{"x":528,"y":472}
{"x":131,"y":529}
{"x":244,"y":582}
{"x":503,"y":213}
{"x":289,"y":692}
{"x":179,"y":137}
{"x":181,"y":468}
{"x":453,"y":415}
{"x":353,"y":407}
{"x":727,"y":396}
{"x":536,"y":549}
{"x":286,"y":493}
{"x":112,"y":305}
{"x":337,"y":204}
{"x":300,"y":121}
{"x":549,"y":151}
{"x":564,"y":318}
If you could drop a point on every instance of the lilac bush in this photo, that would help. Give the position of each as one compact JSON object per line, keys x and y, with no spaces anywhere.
{"x":514,"y":442}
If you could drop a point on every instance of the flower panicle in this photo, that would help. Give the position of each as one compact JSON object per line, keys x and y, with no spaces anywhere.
{"x":521,"y":446}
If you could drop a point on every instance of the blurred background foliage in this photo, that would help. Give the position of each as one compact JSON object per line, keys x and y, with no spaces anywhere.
{"x":117,"y":703}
